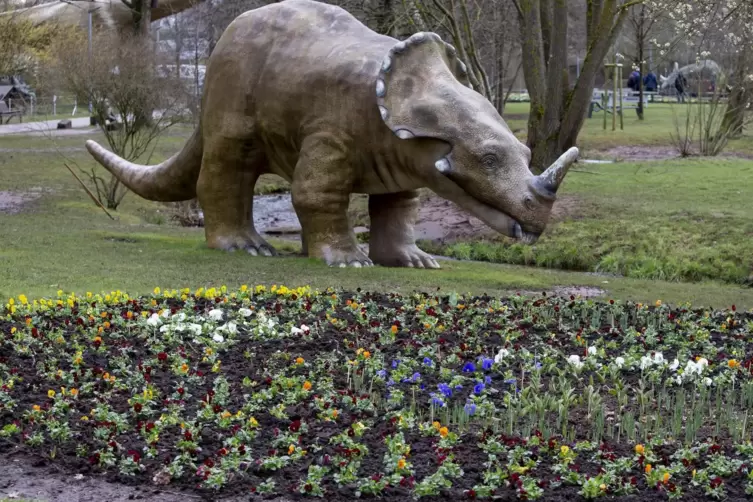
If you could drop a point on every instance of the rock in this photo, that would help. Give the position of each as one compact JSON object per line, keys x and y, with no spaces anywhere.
{"x":65,"y":124}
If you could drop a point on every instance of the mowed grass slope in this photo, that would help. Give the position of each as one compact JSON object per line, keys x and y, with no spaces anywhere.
{"x":686,"y":220}
{"x":63,"y":241}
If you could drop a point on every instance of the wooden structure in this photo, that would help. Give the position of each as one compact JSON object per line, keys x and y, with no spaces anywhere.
{"x":13,"y":101}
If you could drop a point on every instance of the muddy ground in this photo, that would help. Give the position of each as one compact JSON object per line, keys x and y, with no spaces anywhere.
{"x":649,"y":153}
{"x":35,"y":479}
{"x":438,"y":219}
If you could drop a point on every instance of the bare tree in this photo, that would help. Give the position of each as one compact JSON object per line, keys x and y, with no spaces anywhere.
{"x":505,"y":58}
{"x":120,"y":80}
{"x":641,"y":24}
{"x":453,"y":17}
{"x":558,"y":109}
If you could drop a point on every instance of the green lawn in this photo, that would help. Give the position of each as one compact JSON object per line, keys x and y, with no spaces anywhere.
{"x":677,"y":220}
{"x":655,"y":130}
{"x":691,"y":211}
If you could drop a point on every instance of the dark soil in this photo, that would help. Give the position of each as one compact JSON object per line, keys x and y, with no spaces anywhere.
{"x":44,"y":477}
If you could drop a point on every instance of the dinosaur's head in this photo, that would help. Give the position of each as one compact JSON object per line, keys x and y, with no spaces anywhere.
{"x":425,"y":98}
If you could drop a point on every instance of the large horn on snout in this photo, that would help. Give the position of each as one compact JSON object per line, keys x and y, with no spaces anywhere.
{"x":553,"y":176}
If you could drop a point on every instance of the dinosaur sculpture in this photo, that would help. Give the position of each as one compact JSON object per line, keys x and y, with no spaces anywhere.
{"x":303,"y":90}
{"x":702,"y":69}
{"x":111,"y":14}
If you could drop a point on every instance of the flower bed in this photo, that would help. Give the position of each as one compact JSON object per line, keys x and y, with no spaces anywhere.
{"x":304,"y":394}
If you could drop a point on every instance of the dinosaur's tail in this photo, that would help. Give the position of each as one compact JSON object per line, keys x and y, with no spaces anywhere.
{"x":172,"y":180}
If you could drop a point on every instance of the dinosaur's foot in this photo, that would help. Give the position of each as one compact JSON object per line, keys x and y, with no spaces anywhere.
{"x":352,"y":257}
{"x":403,"y":256}
{"x":252,"y":244}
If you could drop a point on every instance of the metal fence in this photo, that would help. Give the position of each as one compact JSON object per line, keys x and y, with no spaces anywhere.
{"x":50,"y":107}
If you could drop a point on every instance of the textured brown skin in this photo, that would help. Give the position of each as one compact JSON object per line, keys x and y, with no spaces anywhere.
{"x":291,"y":89}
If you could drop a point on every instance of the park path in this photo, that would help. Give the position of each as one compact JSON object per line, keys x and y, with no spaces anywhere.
{"x":43,"y":126}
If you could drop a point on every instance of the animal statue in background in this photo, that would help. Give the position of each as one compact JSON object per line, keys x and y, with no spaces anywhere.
{"x":303,"y":90}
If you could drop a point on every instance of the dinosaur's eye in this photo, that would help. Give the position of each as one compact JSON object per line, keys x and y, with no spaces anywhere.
{"x":529,"y":204}
{"x":490,"y":160}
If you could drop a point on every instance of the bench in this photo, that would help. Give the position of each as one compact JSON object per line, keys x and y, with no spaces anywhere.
{"x":629,"y":100}
{"x":10,"y":113}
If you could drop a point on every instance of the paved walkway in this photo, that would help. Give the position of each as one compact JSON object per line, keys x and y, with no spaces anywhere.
{"x":45,"y":126}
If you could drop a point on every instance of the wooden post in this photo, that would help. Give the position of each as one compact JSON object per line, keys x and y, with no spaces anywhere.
{"x":605,"y":94}
{"x":622,"y":110}
{"x":615,"y":73}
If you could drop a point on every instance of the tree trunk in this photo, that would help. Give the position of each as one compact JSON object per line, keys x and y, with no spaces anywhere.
{"x":739,"y":99}
{"x":734,"y":116}
{"x":557,"y":111}
{"x":141,"y":10}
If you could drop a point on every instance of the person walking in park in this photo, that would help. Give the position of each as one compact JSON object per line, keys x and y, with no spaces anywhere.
{"x":680,"y":84}
{"x":650,"y":82}
{"x":634,"y":81}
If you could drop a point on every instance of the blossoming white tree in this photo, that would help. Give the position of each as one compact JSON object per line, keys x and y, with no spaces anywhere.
{"x":721,"y":25}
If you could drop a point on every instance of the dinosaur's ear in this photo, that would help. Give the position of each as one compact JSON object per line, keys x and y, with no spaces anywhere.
{"x":414,"y":85}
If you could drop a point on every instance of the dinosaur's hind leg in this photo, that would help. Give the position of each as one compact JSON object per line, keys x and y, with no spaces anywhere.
{"x":229,"y":170}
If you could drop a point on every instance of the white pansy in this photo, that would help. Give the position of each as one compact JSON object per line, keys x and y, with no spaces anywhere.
{"x":179,"y":317}
{"x":675,"y":364}
{"x":230,"y":328}
{"x":658,"y":358}
{"x":575,"y":361}
{"x":245,"y":312}
{"x":707,"y":381}
{"x":154,"y":321}
{"x":646,"y":361}
{"x":592,"y":350}
{"x":696,"y":367}
{"x":218,"y":338}
{"x":691,"y":368}
{"x":501,"y":355}
{"x":195,"y":329}
{"x":619,"y":361}
{"x":166,"y":313}
{"x":295,"y":331}
{"x":216,"y":314}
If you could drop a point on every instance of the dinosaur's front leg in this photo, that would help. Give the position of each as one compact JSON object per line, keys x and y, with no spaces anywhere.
{"x":321,"y":193}
{"x":392,"y":242}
